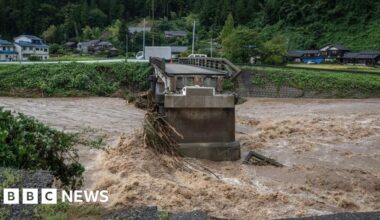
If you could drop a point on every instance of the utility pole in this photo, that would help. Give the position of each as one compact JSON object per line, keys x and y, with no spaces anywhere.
{"x":126,"y":45}
{"x":152,"y":21}
{"x":211,"y":45}
{"x":144,"y":39}
{"x":192,"y":49}
{"x":212,"y":35}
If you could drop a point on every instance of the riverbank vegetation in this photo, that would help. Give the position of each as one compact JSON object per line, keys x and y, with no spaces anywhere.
{"x":28,"y":144}
{"x":340,"y":85}
{"x":74,"y":79}
{"x":336,"y":67}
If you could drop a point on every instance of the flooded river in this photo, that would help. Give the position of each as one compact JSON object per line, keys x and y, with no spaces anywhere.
{"x":330,"y":149}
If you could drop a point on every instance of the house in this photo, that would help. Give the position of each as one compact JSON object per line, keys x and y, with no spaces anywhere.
{"x":304,"y":56}
{"x":103,"y":47}
{"x":28,"y":46}
{"x":172,"y":34}
{"x":83,"y":47}
{"x":97,"y":47}
{"x":7,"y":51}
{"x":333,"y":52}
{"x":350,"y":58}
{"x":133,"y":30}
{"x":177,"y":50}
{"x":363,"y":58}
{"x":71,"y":45}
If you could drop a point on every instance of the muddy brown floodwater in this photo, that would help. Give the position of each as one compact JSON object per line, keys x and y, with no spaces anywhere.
{"x":330,"y":149}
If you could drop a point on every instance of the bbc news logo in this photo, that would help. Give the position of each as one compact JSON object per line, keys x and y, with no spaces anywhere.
{"x":31,"y":196}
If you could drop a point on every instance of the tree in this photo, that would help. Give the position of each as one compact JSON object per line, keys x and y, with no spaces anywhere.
{"x":84,"y":12}
{"x":274,"y":51}
{"x":123,"y":31}
{"x":50,"y":35}
{"x":228,"y":28}
{"x":87,"y":33}
{"x":114,"y":31}
{"x":97,"y":18}
{"x":241,"y":44}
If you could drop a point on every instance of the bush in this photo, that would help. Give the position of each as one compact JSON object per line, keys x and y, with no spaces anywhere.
{"x":34,"y":58}
{"x":28,"y":144}
{"x":74,"y":79}
{"x":340,"y":84}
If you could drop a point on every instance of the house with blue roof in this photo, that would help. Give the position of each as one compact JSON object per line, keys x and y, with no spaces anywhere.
{"x":7,"y":51}
{"x":31,"y":46}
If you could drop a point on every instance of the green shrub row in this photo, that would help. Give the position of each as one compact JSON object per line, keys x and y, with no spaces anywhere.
{"x":28,"y":144}
{"x":339,"y":84}
{"x":74,"y":79}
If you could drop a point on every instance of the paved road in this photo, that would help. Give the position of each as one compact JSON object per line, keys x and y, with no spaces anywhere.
{"x":79,"y":61}
{"x":186,"y":69}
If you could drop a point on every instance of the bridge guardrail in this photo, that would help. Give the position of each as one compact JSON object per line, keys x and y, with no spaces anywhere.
{"x":158,"y":63}
{"x":221,"y":64}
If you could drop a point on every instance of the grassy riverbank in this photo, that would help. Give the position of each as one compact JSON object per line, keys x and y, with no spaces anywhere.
{"x":74,"y":79}
{"x":340,"y":85}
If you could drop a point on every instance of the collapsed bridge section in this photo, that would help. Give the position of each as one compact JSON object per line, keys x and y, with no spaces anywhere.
{"x":190,"y":95}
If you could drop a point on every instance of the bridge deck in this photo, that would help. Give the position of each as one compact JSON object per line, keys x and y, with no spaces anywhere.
{"x":181,"y":69}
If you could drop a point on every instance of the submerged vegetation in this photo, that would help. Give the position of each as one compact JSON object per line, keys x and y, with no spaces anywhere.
{"x":45,"y":80}
{"x":28,"y":144}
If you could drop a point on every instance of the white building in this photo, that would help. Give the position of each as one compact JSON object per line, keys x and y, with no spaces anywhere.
{"x":31,"y":46}
{"x":7,"y":51}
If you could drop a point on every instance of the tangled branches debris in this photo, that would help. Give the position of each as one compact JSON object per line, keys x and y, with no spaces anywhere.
{"x":160,"y":135}
{"x":142,"y":100}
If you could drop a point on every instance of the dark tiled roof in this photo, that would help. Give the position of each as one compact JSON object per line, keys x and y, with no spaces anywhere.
{"x":295,"y":53}
{"x":178,"y":49}
{"x":30,"y":37}
{"x":338,"y":46}
{"x":311,"y":51}
{"x":350,"y":55}
{"x":133,"y":30}
{"x":362,"y":55}
{"x":176,"y":33}
{"x":27,"y":44}
{"x":367,"y":56}
{"x":300,"y":53}
{"x":371,"y":52}
{"x":5,"y":42}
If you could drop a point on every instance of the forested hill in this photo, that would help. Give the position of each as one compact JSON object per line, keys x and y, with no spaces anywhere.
{"x":307,"y":24}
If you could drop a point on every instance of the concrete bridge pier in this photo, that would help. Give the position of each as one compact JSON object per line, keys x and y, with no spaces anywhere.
{"x":206,"y":121}
{"x":190,"y":95}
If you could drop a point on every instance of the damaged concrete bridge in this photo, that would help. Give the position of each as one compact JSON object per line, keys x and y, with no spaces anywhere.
{"x":190,"y":94}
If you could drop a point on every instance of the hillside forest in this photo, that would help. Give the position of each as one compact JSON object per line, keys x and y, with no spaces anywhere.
{"x":271,"y":26}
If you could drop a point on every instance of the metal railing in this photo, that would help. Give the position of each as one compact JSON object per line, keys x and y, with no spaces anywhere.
{"x":220,"y":64}
{"x":158,"y":63}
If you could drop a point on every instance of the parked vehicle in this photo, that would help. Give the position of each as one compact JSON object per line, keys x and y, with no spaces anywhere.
{"x":159,"y":51}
